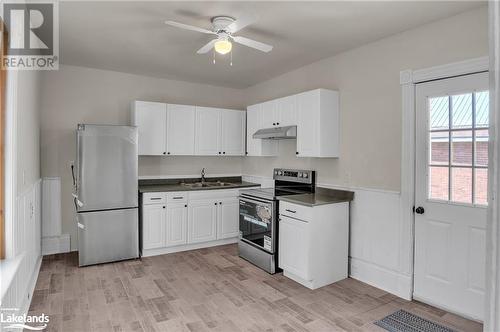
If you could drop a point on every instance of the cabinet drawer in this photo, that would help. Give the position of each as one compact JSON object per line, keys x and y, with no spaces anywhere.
{"x":177,"y":197}
{"x":153,"y":198}
{"x":295,"y":211}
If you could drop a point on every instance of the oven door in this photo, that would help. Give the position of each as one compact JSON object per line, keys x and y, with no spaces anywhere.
{"x":257,"y":223}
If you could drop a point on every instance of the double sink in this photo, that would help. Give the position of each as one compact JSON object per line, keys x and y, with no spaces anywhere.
{"x":207,"y":184}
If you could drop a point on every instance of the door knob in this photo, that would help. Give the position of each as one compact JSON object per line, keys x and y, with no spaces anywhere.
{"x":419,"y":210}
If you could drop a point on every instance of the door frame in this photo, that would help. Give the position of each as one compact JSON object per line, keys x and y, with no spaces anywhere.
{"x":408,"y":80}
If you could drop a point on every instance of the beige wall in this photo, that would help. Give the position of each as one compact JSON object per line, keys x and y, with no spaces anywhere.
{"x":370,"y":99}
{"x":75,"y":95}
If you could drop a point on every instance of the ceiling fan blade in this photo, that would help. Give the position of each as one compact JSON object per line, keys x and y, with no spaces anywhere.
{"x":241,"y":23}
{"x":208,"y":46}
{"x":188,"y":27}
{"x":252,"y":43}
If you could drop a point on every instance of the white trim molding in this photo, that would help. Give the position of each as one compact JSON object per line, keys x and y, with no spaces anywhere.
{"x":492,"y":314}
{"x":408,"y":80}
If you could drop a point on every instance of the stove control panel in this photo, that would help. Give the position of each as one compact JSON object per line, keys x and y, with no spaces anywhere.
{"x":294,"y":175}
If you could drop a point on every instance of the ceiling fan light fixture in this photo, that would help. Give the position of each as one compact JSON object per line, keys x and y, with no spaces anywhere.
{"x":223,"y":46}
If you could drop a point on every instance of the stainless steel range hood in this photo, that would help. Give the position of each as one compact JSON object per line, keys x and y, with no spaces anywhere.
{"x":286,"y":132}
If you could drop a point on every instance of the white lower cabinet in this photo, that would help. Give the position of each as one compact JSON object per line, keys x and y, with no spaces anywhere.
{"x":227,"y":224}
{"x":188,"y":220}
{"x":293,"y":249}
{"x":153,"y":226}
{"x":202,"y":225}
{"x":177,"y":219}
{"x":313,"y":243}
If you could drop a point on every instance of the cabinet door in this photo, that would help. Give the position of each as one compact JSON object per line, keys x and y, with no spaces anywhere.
{"x":207,"y":131}
{"x":228,"y":218}
{"x":308,"y":109}
{"x":151,"y":121}
{"x":286,"y":111}
{"x":268,"y":114}
{"x":176,"y":230}
{"x":153,"y":226}
{"x":293,"y":247}
{"x":233,"y":132}
{"x":180,"y":129}
{"x":202,"y":221}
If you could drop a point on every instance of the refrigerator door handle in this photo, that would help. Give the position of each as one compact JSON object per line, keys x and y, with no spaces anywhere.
{"x":77,"y":201}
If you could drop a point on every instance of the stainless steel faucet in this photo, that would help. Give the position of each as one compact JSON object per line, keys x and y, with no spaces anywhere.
{"x":203,"y":175}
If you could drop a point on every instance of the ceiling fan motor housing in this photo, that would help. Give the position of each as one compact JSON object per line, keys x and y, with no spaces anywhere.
{"x":220,"y":23}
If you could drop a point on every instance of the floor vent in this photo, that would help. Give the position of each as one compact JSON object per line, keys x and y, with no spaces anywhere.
{"x":403,"y":321}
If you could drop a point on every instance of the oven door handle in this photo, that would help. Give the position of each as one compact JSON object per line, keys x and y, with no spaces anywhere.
{"x":252,"y":200}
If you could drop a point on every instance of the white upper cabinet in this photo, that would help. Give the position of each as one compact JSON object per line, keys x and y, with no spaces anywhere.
{"x":176,"y":130}
{"x":316,"y":115}
{"x":286,"y":111}
{"x":151,"y":120}
{"x":180,"y":129}
{"x":219,"y":132}
{"x":318,"y":123}
{"x":233,"y":125}
{"x":258,"y":147}
{"x":208,"y":124}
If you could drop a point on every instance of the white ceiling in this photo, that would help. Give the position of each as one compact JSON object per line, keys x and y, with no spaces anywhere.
{"x":131,"y":36}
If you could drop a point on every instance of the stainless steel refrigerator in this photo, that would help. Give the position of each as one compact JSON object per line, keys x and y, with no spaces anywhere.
{"x":106,"y":193}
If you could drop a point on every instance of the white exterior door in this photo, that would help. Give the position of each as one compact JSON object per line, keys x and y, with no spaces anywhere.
{"x":228,"y":218}
{"x":202,"y":221}
{"x":153,"y":226}
{"x":207,"y":131}
{"x":451,"y":193}
{"x":233,"y":133}
{"x":180,"y":129}
{"x":176,"y":230}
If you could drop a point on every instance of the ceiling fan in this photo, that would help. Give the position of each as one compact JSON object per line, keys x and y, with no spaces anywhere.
{"x":224,"y":27}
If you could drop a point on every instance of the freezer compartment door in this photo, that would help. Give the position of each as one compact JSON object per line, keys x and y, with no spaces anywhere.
{"x":106,"y":167}
{"x":107,"y":236}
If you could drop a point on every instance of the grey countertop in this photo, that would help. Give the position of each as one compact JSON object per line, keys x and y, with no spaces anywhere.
{"x":322,"y":196}
{"x":167,"y":185}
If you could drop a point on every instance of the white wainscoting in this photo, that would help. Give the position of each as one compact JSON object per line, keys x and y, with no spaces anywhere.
{"x":19,"y":273}
{"x":376,"y":240}
{"x":53,"y":241}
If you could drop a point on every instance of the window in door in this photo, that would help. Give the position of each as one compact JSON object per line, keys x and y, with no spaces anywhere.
{"x":458,"y":148}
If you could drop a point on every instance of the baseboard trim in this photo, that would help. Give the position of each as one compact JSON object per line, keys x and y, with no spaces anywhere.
{"x":393,"y":282}
{"x":31,"y":287}
{"x":163,"y":251}
{"x":55,"y":244}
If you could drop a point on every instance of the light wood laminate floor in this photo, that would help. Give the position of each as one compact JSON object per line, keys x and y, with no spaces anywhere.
{"x":208,"y":290}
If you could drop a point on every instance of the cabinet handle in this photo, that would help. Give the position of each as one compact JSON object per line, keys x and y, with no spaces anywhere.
{"x":215,"y":203}
{"x":178,"y":197}
{"x":164,"y":153}
{"x":274,"y":124}
{"x":291,"y":211}
{"x":219,"y":152}
{"x":220,"y":203}
{"x":297,"y":152}
{"x":155,"y":198}
{"x":168,"y":152}
{"x":224,"y":152}
{"x":277,"y":123}
{"x":186,"y":205}
{"x":163,"y":207}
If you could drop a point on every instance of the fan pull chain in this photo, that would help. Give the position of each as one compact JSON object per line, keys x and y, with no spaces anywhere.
{"x":231,"y":62}
{"x":214,"y":57}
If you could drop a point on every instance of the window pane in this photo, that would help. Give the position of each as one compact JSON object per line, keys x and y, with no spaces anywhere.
{"x":439,"y":148}
{"x":482,"y":137}
{"x":461,"y":185}
{"x":481,"y":186}
{"x":461,"y":148}
{"x":461,"y":112}
{"x":439,"y":113}
{"x":438,"y":183}
{"x":482,"y":109}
